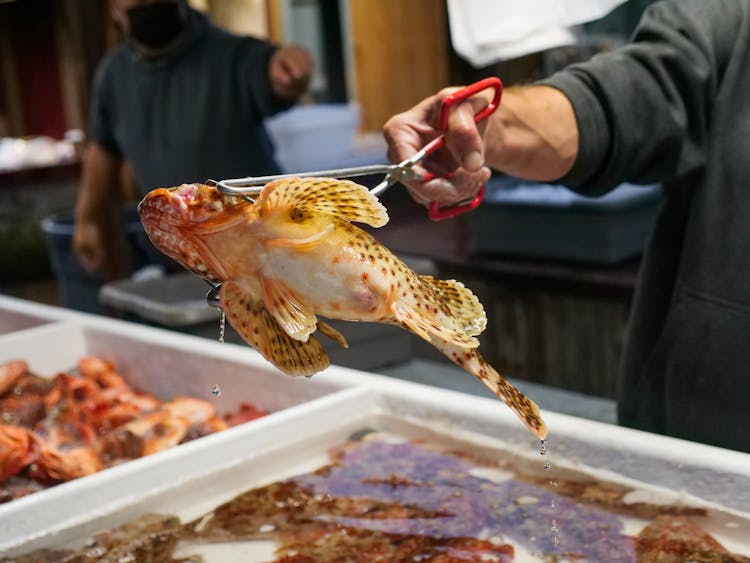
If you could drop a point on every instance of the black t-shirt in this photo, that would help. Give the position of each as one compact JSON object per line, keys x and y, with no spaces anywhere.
{"x":194,"y":115}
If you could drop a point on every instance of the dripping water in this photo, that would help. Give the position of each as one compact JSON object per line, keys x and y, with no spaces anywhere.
{"x":554,"y":530}
{"x":222,"y":325}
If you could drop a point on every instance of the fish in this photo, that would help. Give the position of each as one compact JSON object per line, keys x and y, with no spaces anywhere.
{"x":293,"y":254}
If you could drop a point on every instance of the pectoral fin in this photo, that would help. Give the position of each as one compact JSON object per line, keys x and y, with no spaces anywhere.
{"x":259,"y":329}
{"x":341,"y":198}
{"x":297,"y":319}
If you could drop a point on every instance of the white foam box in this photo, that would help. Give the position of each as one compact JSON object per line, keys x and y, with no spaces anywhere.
{"x":12,"y":320}
{"x":310,"y":417}
{"x":157,"y":361}
{"x":160,"y":362}
{"x":190,"y":480}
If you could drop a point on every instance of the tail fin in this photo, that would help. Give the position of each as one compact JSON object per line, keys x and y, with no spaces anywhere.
{"x":472,"y":361}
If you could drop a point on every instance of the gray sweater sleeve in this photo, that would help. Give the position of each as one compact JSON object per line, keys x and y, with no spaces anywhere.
{"x":644,"y":110}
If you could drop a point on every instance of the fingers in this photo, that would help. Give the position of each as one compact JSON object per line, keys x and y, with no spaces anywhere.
{"x":464,"y":185}
{"x":297,"y":62}
{"x":408,"y":132}
{"x":98,"y":254}
{"x":289,"y":70}
{"x":87,"y":247}
{"x":463,"y":138}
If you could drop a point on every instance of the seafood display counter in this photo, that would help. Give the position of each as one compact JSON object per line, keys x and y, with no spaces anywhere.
{"x":351,"y":464}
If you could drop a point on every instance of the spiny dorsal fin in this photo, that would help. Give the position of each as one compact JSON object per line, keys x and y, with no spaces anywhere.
{"x":464,"y":306}
{"x":259,"y":329}
{"x":340,"y":198}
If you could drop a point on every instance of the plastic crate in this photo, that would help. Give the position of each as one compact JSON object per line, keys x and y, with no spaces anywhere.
{"x":520,"y":218}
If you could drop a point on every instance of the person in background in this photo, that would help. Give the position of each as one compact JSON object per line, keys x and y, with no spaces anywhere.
{"x":179,"y":101}
{"x":671,"y":107}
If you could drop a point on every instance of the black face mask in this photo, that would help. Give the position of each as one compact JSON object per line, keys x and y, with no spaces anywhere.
{"x":157,"y":25}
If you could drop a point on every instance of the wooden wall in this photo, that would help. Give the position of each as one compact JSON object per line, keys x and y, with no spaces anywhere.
{"x":400,"y":55}
{"x":562,"y":338}
{"x":244,"y":17}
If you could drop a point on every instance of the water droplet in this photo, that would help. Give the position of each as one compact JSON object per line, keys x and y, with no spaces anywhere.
{"x":554,"y":530}
{"x":222,"y":325}
{"x":547,"y":465}
{"x":543,"y":447}
{"x":216,"y":390}
{"x":553,"y":483}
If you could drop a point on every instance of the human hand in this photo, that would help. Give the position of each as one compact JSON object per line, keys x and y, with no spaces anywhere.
{"x":99,"y":252}
{"x":406,"y":133}
{"x":289,"y":71}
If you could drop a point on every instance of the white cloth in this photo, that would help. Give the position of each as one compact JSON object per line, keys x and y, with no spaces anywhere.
{"x":487,"y":31}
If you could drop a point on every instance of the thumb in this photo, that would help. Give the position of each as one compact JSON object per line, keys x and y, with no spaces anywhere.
{"x":88,"y":258}
{"x":463,"y":139}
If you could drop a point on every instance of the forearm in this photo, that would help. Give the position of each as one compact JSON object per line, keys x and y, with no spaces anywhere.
{"x":533,"y":134}
{"x":98,"y":196}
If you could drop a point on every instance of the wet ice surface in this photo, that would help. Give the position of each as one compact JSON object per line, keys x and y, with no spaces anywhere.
{"x":475,"y":506}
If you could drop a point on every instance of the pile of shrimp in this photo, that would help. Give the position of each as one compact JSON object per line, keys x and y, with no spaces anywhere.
{"x":72,"y":425}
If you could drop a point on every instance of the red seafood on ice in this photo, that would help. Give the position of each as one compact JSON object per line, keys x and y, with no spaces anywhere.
{"x":75,"y":424}
{"x":294,"y":254}
{"x":18,"y":448}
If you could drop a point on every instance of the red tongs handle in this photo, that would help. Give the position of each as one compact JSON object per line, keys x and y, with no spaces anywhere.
{"x":436,"y":212}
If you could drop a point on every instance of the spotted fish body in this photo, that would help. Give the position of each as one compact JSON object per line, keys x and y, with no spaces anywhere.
{"x":293,"y":254}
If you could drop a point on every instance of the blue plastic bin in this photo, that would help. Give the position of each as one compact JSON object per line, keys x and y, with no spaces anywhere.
{"x":527,"y":219}
{"x":77,"y":288}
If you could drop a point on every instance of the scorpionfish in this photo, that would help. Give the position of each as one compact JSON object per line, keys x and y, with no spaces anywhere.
{"x":293,"y":253}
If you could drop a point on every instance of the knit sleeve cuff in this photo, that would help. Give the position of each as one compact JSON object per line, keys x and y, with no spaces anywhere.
{"x":593,"y":127}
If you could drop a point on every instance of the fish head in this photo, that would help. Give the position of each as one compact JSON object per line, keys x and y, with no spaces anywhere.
{"x":175,"y":219}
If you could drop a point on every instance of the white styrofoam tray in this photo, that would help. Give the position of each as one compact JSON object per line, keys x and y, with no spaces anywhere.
{"x":314,"y":415}
{"x":164,"y":364}
{"x":12,"y":320}
{"x":157,"y":361}
{"x":190,"y":480}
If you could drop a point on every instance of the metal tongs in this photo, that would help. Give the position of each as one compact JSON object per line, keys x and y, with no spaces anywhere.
{"x":401,"y":172}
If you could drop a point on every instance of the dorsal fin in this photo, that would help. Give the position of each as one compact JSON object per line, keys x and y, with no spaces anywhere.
{"x":340,"y":198}
{"x":464,"y":306}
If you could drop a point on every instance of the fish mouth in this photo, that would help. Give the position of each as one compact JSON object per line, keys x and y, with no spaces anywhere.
{"x":196,"y":207}
{"x":166,"y":205}
{"x":168,"y":222}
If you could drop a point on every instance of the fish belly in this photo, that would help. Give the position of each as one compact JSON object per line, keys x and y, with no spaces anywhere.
{"x":343,"y":288}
